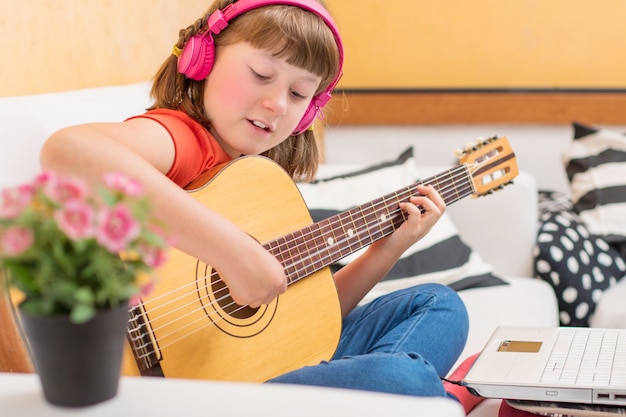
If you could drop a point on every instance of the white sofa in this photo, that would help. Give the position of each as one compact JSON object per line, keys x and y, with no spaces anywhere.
{"x":500,"y":228}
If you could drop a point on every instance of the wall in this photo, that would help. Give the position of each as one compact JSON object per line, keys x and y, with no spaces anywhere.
{"x":435,"y":74}
{"x":54,"y":45}
{"x":483,"y":43}
{"x":484,"y":61}
{"x":538,"y":148}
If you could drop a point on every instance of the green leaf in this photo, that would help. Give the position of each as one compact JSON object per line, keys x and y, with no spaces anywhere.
{"x":32,"y":307}
{"x":82,"y":313}
{"x":107,"y":196}
{"x":20,"y":275}
{"x":84,"y":295}
{"x":61,"y":291}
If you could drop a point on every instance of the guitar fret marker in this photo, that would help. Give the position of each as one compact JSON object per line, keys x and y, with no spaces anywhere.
{"x":383,"y":218}
{"x":350,"y":232}
{"x":330,"y":241}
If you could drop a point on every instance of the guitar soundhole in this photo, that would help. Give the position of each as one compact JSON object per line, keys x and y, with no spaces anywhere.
{"x":226,"y":302}
{"x":224,"y":313}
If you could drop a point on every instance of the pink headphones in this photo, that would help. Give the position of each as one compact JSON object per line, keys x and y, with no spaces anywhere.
{"x":197,"y":56}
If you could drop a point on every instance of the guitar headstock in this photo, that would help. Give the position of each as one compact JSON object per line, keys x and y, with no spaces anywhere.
{"x":491,"y":162}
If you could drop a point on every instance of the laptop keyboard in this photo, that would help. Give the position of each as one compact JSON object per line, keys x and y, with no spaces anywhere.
{"x":588,"y":356}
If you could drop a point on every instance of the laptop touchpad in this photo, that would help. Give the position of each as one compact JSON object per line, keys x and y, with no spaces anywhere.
{"x":519,"y":346}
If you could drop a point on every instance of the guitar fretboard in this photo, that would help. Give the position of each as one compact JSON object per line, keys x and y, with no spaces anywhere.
{"x":320,"y":244}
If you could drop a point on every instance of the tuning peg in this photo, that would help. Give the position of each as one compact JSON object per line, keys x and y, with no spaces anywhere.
{"x":470,"y":147}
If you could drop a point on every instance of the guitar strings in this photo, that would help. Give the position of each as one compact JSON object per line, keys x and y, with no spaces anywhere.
{"x":287,"y":244}
{"x":443,"y":191}
{"x":446,"y":191}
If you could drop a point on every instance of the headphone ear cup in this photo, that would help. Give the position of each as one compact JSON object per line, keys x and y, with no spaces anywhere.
{"x":308,"y":118}
{"x":196,"y":59}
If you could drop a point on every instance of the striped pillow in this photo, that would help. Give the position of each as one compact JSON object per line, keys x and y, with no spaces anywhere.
{"x":441,"y":256}
{"x":596,"y":168}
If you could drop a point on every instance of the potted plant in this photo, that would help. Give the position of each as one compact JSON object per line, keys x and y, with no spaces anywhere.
{"x":78,"y":258}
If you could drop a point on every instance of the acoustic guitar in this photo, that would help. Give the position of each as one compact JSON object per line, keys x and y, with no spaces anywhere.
{"x":189,"y":326}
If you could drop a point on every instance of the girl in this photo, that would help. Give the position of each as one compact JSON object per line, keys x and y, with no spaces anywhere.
{"x":247,"y":79}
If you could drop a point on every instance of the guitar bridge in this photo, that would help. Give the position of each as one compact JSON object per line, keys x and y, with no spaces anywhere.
{"x":142,"y":342}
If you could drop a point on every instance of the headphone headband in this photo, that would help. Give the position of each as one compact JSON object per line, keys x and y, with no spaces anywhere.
{"x":196,"y":59}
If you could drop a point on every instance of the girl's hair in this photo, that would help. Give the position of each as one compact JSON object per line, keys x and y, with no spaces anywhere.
{"x":299,"y":36}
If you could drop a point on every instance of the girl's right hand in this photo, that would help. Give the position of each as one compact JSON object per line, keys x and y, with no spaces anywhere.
{"x":253,"y":275}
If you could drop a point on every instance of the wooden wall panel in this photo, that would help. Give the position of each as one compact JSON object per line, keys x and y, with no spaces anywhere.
{"x":422,"y":108}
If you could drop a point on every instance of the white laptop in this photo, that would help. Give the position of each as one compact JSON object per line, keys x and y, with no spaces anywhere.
{"x":566,"y":364}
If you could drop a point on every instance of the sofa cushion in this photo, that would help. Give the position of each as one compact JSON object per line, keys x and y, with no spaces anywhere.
{"x":27,"y":121}
{"x":578,"y":264}
{"x":441,"y":256}
{"x":596,"y":168}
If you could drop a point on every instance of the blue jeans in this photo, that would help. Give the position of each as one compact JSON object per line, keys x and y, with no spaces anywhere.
{"x":398,"y":343}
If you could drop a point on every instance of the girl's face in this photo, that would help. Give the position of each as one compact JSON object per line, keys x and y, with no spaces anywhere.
{"x":255,"y":100}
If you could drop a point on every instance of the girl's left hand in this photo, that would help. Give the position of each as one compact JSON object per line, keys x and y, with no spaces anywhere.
{"x":418,"y":222}
{"x":359,"y":276}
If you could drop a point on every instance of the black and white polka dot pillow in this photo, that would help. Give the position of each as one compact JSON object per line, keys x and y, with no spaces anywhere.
{"x":578,"y":265}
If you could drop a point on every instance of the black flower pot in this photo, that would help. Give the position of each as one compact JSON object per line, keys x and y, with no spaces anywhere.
{"x":78,"y":364}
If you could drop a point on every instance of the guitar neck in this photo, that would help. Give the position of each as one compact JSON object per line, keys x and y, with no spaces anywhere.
{"x":320,"y":244}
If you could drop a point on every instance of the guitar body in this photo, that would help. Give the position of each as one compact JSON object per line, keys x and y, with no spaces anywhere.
{"x":191,"y":321}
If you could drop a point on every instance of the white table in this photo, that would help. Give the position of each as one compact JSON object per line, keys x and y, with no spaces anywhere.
{"x":21,"y":395}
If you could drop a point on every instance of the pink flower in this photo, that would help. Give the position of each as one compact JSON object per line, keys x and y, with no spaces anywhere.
{"x":116,"y":228}
{"x":14,"y":200}
{"x":76,"y":219}
{"x":155,"y":256}
{"x":45,"y":177}
{"x":152,"y":256}
{"x":134,"y":300}
{"x":15,"y":240}
{"x":123,"y":183}
{"x":61,"y":189}
{"x":144,"y":290}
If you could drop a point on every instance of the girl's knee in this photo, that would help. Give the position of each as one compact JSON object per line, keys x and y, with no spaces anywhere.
{"x":448,"y":299}
{"x":451,"y":312}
